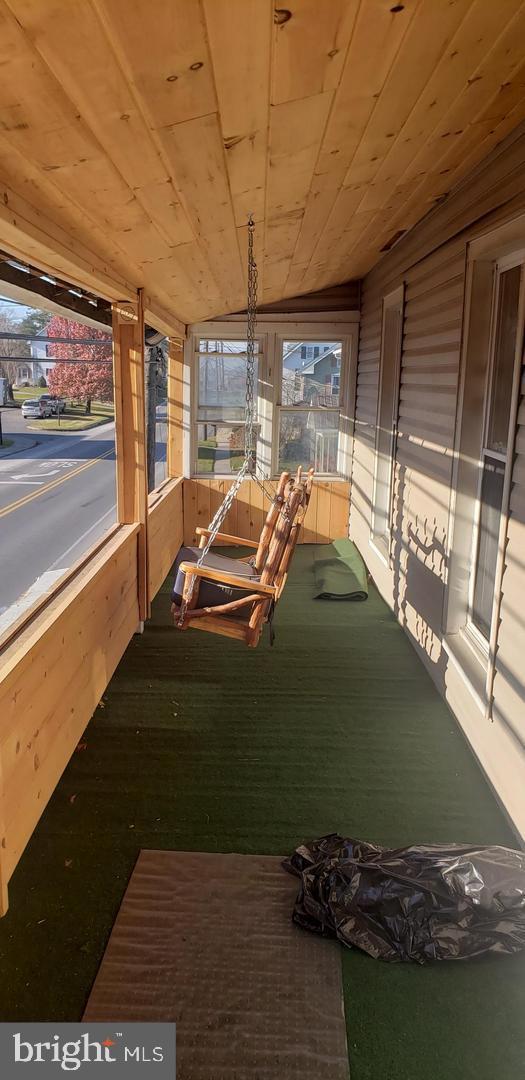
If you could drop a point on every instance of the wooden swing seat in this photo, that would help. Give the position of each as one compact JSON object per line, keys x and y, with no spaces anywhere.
{"x":251,"y":585}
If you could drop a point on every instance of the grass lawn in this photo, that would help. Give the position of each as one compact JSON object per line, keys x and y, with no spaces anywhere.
{"x":206,"y":455}
{"x":75,"y":419}
{"x":22,"y":393}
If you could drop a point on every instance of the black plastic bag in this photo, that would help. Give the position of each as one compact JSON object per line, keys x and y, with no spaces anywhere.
{"x":415,"y":903}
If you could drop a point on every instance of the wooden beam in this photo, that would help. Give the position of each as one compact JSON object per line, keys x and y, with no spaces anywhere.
{"x":130,"y":432}
{"x":163,"y":321}
{"x":175,"y":408}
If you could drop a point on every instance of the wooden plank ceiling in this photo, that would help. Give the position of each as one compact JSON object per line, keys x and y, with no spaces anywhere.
{"x":147,"y":130}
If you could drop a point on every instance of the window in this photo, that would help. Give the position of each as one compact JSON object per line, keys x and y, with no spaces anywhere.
{"x":309,"y":407}
{"x":494,"y":446}
{"x":386,"y":427}
{"x":61,"y":498}
{"x":220,"y":389}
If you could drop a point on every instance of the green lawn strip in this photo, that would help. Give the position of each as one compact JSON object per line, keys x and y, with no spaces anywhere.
{"x":75,"y":418}
{"x":22,"y":393}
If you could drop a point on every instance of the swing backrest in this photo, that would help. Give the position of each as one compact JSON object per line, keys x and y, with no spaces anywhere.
{"x":293,"y":497}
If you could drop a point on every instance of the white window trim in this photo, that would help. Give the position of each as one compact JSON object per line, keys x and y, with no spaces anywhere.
{"x":382,"y":542}
{"x":228,"y":334}
{"x":343,"y":461}
{"x":502,"y":249}
{"x":271,"y":330}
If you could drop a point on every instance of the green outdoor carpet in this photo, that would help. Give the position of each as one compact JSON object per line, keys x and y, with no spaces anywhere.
{"x":202,"y":744}
{"x":339,"y":572}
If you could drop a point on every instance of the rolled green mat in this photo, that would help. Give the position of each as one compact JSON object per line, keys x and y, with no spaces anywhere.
{"x":339,"y":572}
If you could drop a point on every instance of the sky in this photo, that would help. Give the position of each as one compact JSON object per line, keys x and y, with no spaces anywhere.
{"x":13,"y":310}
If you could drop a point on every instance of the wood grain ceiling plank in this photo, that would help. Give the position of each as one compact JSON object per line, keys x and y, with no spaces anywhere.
{"x":490,"y":43}
{"x":416,"y":189}
{"x":174,"y":79}
{"x":498,"y":129}
{"x":477,"y":113}
{"x":431,"y":44}
{"x":36,"y":190}
{"x":377,"y":37}
{"x":29,"y":235}
{"x":74,"y":45}
{"x":449,"y":77}
{"x":310,"y":47}
{"x":429,"y":36}
{"x":240,"y":38}
{"x":296,"y":129}
{"x":162,"y":47}
{"x":196,"y":154}
{"x":43,"y":126}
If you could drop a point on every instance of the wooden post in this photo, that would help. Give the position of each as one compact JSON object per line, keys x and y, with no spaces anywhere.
{"x":4,"y":901}
{"x":130,"y":431}
{"x":175,"y":407}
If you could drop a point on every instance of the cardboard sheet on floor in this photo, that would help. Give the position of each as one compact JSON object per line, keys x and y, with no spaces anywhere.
{"x":207,"y":940}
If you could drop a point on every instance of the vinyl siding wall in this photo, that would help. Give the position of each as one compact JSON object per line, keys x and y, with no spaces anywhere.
{"x":431,"y":262}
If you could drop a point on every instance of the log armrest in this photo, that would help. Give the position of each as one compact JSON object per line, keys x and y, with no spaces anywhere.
{"x":228,"y":539}
{"x":224,"y":578}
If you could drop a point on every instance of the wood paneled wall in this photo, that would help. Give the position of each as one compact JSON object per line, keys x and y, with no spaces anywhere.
{"x":165,"y":532}
{"x":431,"y":262}
{"x":53,"y":676}
{"x":327,"y":516}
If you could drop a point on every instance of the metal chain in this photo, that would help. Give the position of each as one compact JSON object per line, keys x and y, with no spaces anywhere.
{"x":248,"y":467}
{"x":251,"y":322}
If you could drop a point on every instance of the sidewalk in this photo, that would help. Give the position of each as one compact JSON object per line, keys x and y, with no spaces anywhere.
{"x":17,"y":443}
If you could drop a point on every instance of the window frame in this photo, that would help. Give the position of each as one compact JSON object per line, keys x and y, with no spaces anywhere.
{"x":309,"y":338}
{"x":271,"y":331}
{"x":382,"y":541}
{"x":233,"y":335}
{"x":471,"y":631}
{"x":501,"y":247}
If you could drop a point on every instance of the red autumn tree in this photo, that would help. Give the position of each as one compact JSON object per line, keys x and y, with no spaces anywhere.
{"x":86,"y":371}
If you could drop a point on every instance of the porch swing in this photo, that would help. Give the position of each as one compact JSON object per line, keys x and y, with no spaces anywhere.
{"x":235,"y":597}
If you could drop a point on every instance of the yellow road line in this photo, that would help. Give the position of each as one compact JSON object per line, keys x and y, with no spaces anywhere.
{"x":54,"y":483}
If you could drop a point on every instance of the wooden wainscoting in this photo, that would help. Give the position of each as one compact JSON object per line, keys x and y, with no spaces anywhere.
{"x":53,"y":676}
{"x":327,"y":516}
{"x":165,"y":532}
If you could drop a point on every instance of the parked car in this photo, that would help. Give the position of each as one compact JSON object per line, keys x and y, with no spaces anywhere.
{"x":56,"y":404}
{"x":35,"y":409}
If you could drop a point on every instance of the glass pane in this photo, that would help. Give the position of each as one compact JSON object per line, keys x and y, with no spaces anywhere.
{"x":220,"y":448}
{"x":489,"y":524}
{"x":308,"y":438}
{"x":57,"y":411}
{"x":504,"y":353}
{"x":387,"y":414}
{"x":222,"y":379}
{"x":311,"y":373}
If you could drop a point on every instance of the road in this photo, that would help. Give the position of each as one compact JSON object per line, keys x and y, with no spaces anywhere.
{"x":56,"y":500}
